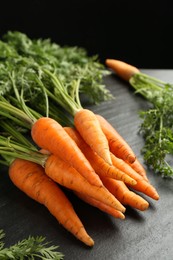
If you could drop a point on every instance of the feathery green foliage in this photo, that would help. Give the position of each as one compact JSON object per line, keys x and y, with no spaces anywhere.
{"x":30,"y":248}
{"x":157,"y":122}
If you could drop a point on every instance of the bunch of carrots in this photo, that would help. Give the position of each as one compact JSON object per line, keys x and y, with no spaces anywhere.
{"x":91,"y":159}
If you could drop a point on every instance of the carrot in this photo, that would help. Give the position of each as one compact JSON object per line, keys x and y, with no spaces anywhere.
{"x":100,"y":205}
{"x":122,"y":69}
{"x":142,"y":185}
{"x":117,"y":144}
{"x":137,"y":166}
{"x":89,"y":128}
{"x":50,"y":135}
{"x":32,"y":180}
{"x":99,"y":165}
{"x":67,"y":176}
{"x":124,"y":195}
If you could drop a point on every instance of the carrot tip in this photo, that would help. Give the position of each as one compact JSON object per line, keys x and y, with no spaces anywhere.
{"x":156,"y":196}
{"x":123,"y":210}
{"x":133,"y":182}
{"x":90,"y":242}
{"x":144,"y":206}
{"x":121,"y":216}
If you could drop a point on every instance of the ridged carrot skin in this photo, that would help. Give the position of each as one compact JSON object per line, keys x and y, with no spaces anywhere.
{"x":137,"y":166}
{"x":126,"y":71}
{"x":142,"y":185}
{"x":64,"y":174}
{"x":32,"y":180}
{"x":124,"y":195}
{"x":50,"y":135}
{"x":89,"y":128}
{"x":117,"y":144}
{"x":122,"y":69}
{"x":99,"y":165}
{"x":100,"y":205}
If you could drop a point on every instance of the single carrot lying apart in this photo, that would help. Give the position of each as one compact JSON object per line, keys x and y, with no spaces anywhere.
{"x":100,"y":205}
{"x":50,"y":135}
{"x":31,"y":179}
{"x":117,"y":144}
{"x":124,"y":195}
{"x":142,"y":185}
{"x":89,"y":128}
{"x":99,"y":165}
{"x":122,"y":69}
{"x":64,"y":174}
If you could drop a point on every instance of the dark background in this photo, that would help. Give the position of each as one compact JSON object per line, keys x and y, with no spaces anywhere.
{"x":138,"y":32}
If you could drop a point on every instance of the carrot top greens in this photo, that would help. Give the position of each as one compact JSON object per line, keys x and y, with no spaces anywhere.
{"x":29,"y":248}
{"x":70,"y":64}
{"x":157,"y":124}
{"x":39,"y":71}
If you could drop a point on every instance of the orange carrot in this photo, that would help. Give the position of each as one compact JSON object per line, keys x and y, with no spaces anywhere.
{"x":137,"y":166}
{"x":124,"y":195}
{"x":50,"y":135}
{"x":117,"y":144}
{"x":89,"y":128}
{"x":122,"y":69}
{"x":99,"y":165}
{"x":142,"y":185}
{"x":67,"y":176}
{"x":32,"y":180}
{"x":100,"y":205}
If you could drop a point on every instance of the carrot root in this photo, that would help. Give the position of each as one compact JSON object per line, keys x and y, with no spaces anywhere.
{"x":124,"y":195}
{"x":137,"y":166}
{"x":32,"y":180}
{"x":88,"y":126}
{"x":142,"y":185}
{"x":99,"y":165}
{"x":100,"y":205}
{"x":50,"y":135}
{"x":122,"y":69}
{"x":64,"y":174}
{"x":117,"y":144}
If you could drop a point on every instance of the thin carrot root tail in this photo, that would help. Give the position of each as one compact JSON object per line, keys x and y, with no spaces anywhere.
{"x":122,"y":69}
{"x":146,"y":188}
{"x":137,"y":166}
{"x":118,"y":146}
{"x":100,"y":205}
{"x":84,"y":237}
{"x":88,"y":126}
{"x":124,"y":195}
{"x":135,"y":201}
{"x":127,"y":179}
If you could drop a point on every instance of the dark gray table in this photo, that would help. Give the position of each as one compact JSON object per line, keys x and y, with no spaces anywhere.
{"x":142,"y":235}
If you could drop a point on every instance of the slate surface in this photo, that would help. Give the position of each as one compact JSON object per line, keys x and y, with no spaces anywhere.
{"x":142,"y":235}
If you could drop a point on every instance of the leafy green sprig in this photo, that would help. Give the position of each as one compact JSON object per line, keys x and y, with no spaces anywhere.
{"x":157,"y":124}
{"x":30,"y":248}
